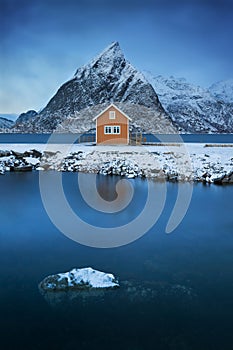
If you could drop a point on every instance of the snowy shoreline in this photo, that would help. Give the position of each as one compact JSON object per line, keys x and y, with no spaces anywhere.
{"x":210,"y":163}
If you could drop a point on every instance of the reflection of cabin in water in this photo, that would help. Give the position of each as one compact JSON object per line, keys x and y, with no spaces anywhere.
{"x":112,"y":126}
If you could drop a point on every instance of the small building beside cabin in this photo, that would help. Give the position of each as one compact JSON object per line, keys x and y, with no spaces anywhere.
{"x":112,"y":126}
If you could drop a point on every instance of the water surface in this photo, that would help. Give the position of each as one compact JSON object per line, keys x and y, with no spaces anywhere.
{"x":176,"y":290}
{"x":88,"y":137}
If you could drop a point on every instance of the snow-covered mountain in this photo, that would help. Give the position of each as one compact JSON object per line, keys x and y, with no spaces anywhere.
{"x":107,"y":78}
{"x":5,"y":123}
{"x":223,"y":91}
{"x":26,"y":116}
{"x":9,"y":116}
{"x":155,"y":104}
{"x":192,"y":108}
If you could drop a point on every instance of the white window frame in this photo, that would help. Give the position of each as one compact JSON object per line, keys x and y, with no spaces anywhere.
{"x":107,"y":129}
{"x":112,"y":115}
{"x":112,"y":129}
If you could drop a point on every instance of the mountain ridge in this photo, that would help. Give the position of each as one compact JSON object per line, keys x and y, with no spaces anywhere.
{"x":192,"y":108}
{"x":175,"y":103}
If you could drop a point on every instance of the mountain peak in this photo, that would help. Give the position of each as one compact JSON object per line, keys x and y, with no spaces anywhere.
{"x":108,"y":78}
{"x":108,"y":57}
{"x":112,"y":47}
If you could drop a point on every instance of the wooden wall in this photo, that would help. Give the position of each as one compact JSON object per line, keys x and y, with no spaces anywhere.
{"x":120,"y":120}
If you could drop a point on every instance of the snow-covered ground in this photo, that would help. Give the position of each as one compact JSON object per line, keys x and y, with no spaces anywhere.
{"x":184,"y":162}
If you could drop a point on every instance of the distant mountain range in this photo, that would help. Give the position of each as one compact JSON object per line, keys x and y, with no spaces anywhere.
{"x":195,"y":109}
{"x":5,"y":123}
{"x":155,"y":104}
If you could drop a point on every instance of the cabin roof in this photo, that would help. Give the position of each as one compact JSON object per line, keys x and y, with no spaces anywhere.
{"x":112,"y":105}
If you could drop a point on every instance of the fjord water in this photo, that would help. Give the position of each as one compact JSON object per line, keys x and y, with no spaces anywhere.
{"x":89,"y":137}
{"x":176,"y":289}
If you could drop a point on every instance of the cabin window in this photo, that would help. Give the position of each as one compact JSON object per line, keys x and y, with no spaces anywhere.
{"x":116,"y":129}
{"x":107,"y":129}
{"x":112,"y":115}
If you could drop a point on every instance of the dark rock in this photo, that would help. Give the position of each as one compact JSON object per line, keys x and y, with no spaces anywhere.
{"x":5,"y":153}
{"x":18,"y":155}
{"x":32,"y":153}
{"x":21,"y":168}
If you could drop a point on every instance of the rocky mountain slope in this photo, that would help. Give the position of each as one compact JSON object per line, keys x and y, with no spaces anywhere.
{"x":192,"y":108}
{"x":5,"y":123}
{"x":223,"y":91}
{"x":25,"y":117}
{"x":107,"y":78}
{"x":25,"y":121}
{"x":143,"y":118}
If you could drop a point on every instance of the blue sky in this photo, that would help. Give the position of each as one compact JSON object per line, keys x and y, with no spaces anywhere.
{"x":43,"y":42}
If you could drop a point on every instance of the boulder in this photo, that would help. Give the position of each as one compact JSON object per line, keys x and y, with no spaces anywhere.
{"x":33,"y":153}
{"x":2,"y":169}
{"x":4,"y":153}
{"x":79,"y":279}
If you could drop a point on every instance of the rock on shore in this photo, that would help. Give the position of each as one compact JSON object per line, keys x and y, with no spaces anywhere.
{"x":200,"y":163}
{"x":121,"y":167}
{"x":19,"y":161}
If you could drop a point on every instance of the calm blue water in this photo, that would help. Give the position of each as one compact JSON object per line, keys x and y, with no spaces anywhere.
{"x":176,"y":290}
{"x":43,"y":138}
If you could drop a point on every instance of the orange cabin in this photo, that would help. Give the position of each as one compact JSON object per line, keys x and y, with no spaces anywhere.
{"x":112,"y":126}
